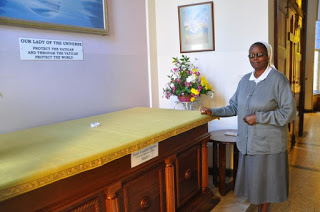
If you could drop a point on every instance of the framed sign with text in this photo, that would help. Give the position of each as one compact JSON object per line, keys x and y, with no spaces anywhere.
{"x":71,"y":15}
{"x":196,"y":29}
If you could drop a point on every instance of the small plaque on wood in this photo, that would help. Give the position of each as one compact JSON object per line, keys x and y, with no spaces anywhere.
{"x":144,"y":155}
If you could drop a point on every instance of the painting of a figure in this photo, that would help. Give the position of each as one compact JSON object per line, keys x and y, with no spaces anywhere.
{"x":196,"y":27}
{"x":70,"y":14}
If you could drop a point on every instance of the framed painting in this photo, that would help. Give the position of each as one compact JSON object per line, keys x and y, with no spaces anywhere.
{"x":196,"y":31}
{"x":89,"y":16}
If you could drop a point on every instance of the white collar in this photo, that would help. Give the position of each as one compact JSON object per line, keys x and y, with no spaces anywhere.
{"x":262,"y":76}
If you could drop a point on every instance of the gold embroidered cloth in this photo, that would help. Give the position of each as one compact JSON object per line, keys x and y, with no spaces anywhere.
{"x":39,"y":156}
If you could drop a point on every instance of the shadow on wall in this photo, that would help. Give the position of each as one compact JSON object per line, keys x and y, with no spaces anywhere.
{"x":208,"y":101}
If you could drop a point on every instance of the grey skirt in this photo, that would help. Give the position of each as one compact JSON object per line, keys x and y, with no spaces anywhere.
{"x":263,"y":178}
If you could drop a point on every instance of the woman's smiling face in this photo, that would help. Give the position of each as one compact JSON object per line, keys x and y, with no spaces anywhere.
{"x":258,"y":57}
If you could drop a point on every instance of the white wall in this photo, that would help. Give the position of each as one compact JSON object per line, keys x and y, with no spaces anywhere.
{"x":237,"y":24}
{"x":112,"y":76}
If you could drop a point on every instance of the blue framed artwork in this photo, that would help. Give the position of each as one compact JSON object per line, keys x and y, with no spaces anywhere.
{"x":196,"y":31}
{"x":88,"y":16}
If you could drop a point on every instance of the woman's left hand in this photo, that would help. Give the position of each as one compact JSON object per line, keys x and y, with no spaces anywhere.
{"x":250,"y":119}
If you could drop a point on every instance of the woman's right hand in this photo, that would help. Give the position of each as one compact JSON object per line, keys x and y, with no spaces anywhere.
{"x":250,"y":119}
{"x":205,"y":111}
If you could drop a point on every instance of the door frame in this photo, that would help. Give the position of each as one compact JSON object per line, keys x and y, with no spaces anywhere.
{"x":303,"y":13}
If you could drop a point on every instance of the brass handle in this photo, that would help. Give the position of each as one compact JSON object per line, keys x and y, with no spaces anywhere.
{"x":145,"y":203}
{"x":188,"y":174}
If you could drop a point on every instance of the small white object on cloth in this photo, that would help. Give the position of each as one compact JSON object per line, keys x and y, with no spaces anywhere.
{"x":231,"y":134}
{"x":95,"y":124}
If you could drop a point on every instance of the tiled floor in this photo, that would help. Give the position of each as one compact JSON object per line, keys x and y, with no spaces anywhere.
{"x":304,"y":176}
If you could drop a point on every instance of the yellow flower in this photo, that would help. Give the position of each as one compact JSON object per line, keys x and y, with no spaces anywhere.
{"x":194,"y":70}
{"x":208,"y":87}
{"x":192,"y":99}
{"x":194,"y":91}
{"x":205,"y":83}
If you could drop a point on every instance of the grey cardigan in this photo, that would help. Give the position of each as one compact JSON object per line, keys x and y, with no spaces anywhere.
{"x":274,"y":105}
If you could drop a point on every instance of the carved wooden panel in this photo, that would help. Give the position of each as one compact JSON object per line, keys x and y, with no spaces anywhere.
{"x":282,"y":66}
{"x":90,"y":206}
{"x":188,"y":175}
{"x":145,"y":192}
{"x":282,"y":29}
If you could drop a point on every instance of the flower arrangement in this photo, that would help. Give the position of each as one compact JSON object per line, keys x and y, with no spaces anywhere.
{"x":185,"y":80}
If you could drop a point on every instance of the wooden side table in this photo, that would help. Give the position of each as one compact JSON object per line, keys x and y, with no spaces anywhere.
{"x":218,"y":138}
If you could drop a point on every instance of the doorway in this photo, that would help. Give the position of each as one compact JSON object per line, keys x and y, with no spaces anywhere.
{"x":289,"y":55}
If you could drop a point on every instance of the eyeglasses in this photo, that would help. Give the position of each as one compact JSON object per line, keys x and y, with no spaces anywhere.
{"x":252,"y":55}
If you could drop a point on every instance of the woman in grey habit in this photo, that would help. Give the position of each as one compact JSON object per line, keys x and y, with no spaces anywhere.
{"x":264,"y":104}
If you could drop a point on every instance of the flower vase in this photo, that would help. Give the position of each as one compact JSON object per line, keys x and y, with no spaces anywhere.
{"x":184,"y":98}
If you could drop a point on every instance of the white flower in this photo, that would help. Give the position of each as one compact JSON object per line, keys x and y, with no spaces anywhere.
{"x":210,"y":94}
{"x":176,"y":74}
{"x":191,"y":78}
